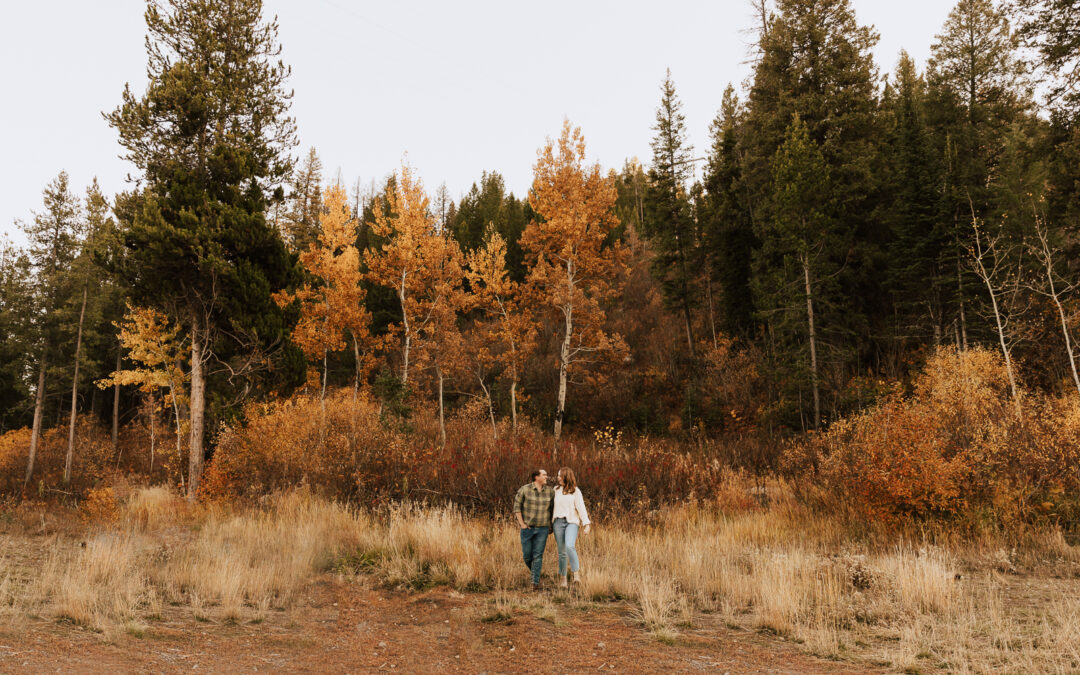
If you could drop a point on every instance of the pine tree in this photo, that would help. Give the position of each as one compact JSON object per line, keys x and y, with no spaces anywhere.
{"x":974,"y":62}
{"x":490,"y":205}
{"x":301,"y":218}
{"x":16,"y":334}
{"x":668,"y":223}
{"x":817,"y":62}
{"x":799,"y":245}
{"x":54,"y":242}
{"x":729,"y":235}
{"x":213,"y":139}
{"x":920,"y":245}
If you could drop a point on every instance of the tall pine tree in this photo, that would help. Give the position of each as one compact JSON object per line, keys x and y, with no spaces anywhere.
{"x":668,"y":219}
{"x":213,"y":139}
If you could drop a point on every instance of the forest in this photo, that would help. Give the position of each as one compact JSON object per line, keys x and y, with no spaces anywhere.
{"x":850,"y":224}
{"x":832,"y":352}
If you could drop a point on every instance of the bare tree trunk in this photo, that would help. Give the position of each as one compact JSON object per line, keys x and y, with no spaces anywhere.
{"x":198,"y":404}
{"x":960,"y":300}
{"x":322,"y":401}
{"x":442,"y":418}
{"x":74,"y":393}
{"x":150,"y":405}
{"x":513,"y":404}
{"x":356,"y":355}
{"x":813,"y":342}
{"x":408,"y":336}
{"x":116,"y":411}
{"x":491,"y":407}
{"x":1048,"y":265}
{"x":708,"y":295}
{"x":39,"y":408}
{"x":987,"y":278}
{"x":564,"y":355}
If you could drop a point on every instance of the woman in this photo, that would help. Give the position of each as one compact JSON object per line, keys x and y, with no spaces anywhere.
{"x":569,"y":515}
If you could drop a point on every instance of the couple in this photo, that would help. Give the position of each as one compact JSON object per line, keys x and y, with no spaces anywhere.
{"x":539,"y":510}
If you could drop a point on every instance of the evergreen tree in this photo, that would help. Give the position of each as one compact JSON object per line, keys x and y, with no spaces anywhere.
{"x":920,"y":245}
{"x":54,"y":243}
{"x":668,"y":222}
{"x":489,"y":205}
{"x":974,"y":63}
{"x":797,"y":260}
{"x":817,"y":62}
{"x":213,"y":139}
{"x":1052,"y":29}
{"x":728,"y":228}
{"x":974,"y":96}
{"x":301,"y":220}
{"x":16,"y":335}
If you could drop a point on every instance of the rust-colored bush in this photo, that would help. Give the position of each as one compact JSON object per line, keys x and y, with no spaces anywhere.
{"x":358,"y":455}
{"x":955,"y":448}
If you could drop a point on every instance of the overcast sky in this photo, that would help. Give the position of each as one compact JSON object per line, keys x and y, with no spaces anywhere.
{"x":461,"y":87}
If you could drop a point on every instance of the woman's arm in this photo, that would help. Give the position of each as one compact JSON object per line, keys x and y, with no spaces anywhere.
{"x":579,"y":504}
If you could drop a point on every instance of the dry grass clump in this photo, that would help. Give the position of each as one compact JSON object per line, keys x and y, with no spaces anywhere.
{"x":229,"y":566}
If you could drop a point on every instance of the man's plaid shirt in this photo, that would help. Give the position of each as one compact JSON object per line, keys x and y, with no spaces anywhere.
{"x":535,"y":506}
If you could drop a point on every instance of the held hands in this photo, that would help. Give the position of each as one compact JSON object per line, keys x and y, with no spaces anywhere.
{"x":588,"y":528}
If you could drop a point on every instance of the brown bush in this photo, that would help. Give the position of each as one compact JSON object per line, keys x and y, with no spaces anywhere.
{"x":354,"y":453}
{"x":93,"y":462}
{"x":955,"y":448}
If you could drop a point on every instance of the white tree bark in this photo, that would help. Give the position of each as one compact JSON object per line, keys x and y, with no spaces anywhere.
{"x":74,"y":393}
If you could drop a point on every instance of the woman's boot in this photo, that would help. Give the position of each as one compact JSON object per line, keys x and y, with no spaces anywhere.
{"x":562,"y":581}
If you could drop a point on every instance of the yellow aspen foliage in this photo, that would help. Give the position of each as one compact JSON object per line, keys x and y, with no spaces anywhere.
{"x":153,"y":344}
{"x":424,"y":267}
{"x":332,"y":307}
{"x":506,"y":333}
{"x":574,"y":266}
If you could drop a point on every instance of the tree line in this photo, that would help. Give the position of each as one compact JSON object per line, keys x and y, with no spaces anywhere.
{"x":846,"y":224}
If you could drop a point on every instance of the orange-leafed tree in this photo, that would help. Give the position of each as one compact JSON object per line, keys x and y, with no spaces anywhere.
{"x":332,"y":306}
{"x":506,"y":332}
{"x":424,"y":268}
{"x":574,"y":266}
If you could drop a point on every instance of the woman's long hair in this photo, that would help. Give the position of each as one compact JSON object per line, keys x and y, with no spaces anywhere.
{"x":567,"y":480}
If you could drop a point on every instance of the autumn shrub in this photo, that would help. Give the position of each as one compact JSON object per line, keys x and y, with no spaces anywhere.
{"x":94,"y":463}
{"x":346,"y":448}
{"x":955,"y":448}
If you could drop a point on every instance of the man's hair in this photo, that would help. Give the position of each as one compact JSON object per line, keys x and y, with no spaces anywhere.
{"x":535,"y":474}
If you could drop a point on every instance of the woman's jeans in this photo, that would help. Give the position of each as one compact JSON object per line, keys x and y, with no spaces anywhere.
{"x":566,"y":539}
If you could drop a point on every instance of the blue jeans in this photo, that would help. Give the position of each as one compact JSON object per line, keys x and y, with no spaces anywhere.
{"x":566,"y":539}
{"x":533,"y":542}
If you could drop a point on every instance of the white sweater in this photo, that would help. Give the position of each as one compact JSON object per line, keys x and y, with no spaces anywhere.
{"x":571,"y":507}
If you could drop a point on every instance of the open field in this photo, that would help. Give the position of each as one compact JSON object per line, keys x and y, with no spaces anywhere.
{"x":148,"y":581}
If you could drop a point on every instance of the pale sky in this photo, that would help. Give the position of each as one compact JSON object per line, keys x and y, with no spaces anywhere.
{"x":460,"y":87}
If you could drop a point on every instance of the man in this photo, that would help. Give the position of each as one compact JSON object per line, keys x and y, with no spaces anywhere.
{"x":533,"y":507}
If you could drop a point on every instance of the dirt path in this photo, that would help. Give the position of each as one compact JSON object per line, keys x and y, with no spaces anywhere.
{"x":344,"y":628}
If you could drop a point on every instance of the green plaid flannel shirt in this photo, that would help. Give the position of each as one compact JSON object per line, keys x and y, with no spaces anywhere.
{"x":535,"y":506}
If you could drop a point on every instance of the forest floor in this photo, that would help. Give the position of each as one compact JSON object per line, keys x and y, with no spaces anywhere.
{"x":350,"y":626}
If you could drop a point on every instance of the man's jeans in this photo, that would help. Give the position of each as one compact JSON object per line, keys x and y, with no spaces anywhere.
{"x":533,"y":541}
{"x":566,"y":539}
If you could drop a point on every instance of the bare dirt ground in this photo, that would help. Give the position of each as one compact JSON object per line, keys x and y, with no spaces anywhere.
{"x":348,"y":627}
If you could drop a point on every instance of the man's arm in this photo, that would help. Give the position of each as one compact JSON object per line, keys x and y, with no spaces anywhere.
{"x":519,"y":500}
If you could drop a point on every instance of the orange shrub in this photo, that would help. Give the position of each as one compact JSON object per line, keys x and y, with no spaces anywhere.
{"x":358,"y":455}
{"x":93,"y":462}
{"x":954,"y":448}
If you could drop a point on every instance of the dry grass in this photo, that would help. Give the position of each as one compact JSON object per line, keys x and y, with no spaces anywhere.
{"x":784,"y":571}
